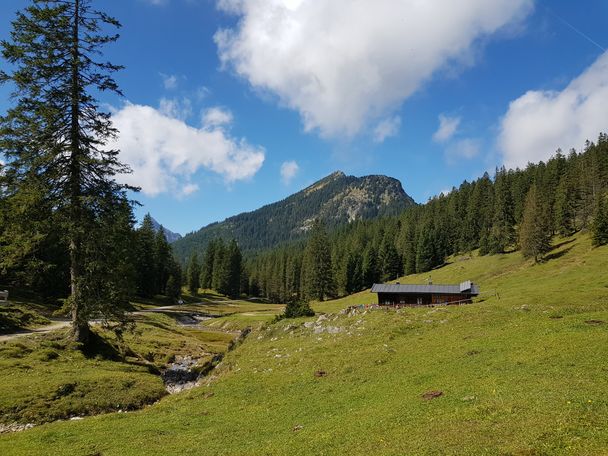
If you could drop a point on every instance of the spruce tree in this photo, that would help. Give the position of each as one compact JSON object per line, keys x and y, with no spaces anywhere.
{"x":146,"y":258}
{"x":535,"y":231}
{"x":193,"y":274}
{"x":55,"y":136}
{"x":599,"y":231}
{"x":163,"y":259}
{"x":502,"y":232}
{"x":318,"y":273}
{"x":565,"y":206}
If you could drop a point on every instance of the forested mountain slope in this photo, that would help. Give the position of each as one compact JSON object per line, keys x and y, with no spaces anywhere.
{"x":336,"y":199}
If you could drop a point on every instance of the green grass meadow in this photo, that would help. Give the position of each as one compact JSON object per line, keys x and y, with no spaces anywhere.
{"x":522,"y":371}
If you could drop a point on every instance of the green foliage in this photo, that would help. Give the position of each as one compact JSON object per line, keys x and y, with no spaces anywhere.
{"x":194,"y":273}
{"x":535,"y":234}
{"x":54,"y":140}
{"x":297,"y":309}
{"x":317,"y":265}
{"x":600,"y":222}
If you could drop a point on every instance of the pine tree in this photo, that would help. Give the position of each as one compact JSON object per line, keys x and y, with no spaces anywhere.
{"x":55,"y":135}
{"x":146,"y":261}
{"x":599,"y":232}
{"x":317,"y":266}
{"x":233,"y":268}
{"x":370,"y":266}
{"x":163,"y":259}
{"x":207,"y":267}
{"x":390,"y":261}
{"x":566,"y":201}
{"x":193,"y":274}
{"x":425,"y":252}
{"x":502,"y":232}
{"x":535,"y":231}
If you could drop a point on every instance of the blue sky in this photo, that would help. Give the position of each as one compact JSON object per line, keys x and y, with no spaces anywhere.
{"x":233,"y":104}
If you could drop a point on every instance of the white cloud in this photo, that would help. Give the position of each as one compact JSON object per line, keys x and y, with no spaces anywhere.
{"x":464,"y":149}
{"x":447,"y":128}
{"x":176,"y":108}
{"x":289,"y":169}
{"x":387,"y":128}
{"x":169,"y":81}
{"x":217,"y":117}
{"x":342,"y":63}
{"x":540,"y":122}
{"x":164,"y":152}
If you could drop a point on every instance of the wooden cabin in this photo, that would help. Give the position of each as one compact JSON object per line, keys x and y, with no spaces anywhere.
{"x":425,"y":295}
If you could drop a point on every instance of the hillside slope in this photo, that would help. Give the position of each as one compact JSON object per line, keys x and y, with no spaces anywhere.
{"x":337,"y":199}
{"x":522,"y":373}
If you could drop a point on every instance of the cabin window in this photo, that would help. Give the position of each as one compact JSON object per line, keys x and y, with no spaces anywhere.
{"x":419,"y":301}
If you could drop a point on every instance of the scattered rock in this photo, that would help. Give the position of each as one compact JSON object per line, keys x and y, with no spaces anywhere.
{"x":15,"y":427}
{"x":594,"y":322}
{"x":321,"y":318}
{"x":468,"y":398}
{"x":431,"y":395}
{"x":320,"y":373}
{"x":78,"y":418}
{"x":334,"y":330}
{"x":297,"y":427}
{"x":309,"y":324}
{"x":473,"y":352}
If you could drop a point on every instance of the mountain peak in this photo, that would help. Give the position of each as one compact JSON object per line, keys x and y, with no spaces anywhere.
{"x":170,"y":235}
{"x":337,"y":199}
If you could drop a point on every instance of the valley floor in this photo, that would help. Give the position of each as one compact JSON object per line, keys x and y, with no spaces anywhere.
{"x":522,"y":371}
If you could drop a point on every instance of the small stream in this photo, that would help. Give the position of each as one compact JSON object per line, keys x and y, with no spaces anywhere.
{"x":186,"y":372}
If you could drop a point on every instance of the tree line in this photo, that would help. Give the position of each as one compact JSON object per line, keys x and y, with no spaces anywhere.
{"x":515,"y":209}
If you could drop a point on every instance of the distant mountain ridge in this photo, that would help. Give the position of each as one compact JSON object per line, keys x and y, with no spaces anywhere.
{"x":170,"y":235}
{"x":336,"y":199}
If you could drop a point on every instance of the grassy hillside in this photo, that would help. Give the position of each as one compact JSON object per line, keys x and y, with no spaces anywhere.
{"x":523,"y":374}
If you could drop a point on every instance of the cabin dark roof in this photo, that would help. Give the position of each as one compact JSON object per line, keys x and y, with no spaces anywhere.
{"x":422,"y":289}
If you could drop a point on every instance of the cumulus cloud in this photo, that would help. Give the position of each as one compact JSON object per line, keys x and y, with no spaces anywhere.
{"x":217,"y":117}
{"x":289,"y":170}
{"x":176,"y":108}
{"x":387,"y":128}
{"x":169,"y":81}
{"x":165,"y":152}
{"x":343,"y":64}
{"x":464,"y":149}
{"x":447,"y":128}
{"x":539,"y":122}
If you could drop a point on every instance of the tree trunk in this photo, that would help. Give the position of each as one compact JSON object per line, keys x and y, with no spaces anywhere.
{"x":80,"y":324}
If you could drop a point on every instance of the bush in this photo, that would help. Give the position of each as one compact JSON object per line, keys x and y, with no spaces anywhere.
{"x":298,"y":309}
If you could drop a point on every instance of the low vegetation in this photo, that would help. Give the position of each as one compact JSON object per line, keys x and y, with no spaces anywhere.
{"x":520,"y":371}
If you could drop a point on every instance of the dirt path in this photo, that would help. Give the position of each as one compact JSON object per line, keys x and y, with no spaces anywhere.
{"x":42,"y":330}
{"x":60,"y":324}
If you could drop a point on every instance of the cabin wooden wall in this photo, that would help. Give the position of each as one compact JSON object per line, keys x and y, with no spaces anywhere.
{"x":426,"y":299}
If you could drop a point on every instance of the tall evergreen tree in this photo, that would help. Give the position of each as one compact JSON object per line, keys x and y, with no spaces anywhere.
{"x":193,"y":274}
{"x":317,"y":266}
{"x":55,"y":136}
{"x":535,"y":231}
{"x":566,"y":202}
{"x":207,"y":266}
{"x":502,"y":233}
{"x":599,"y":232}
{"x":146,"y":258}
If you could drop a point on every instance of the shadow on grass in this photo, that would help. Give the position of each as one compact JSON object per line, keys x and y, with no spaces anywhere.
{"x":563,"y":243}
{"x":99,"y":347}
{"x":556,"y":255}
